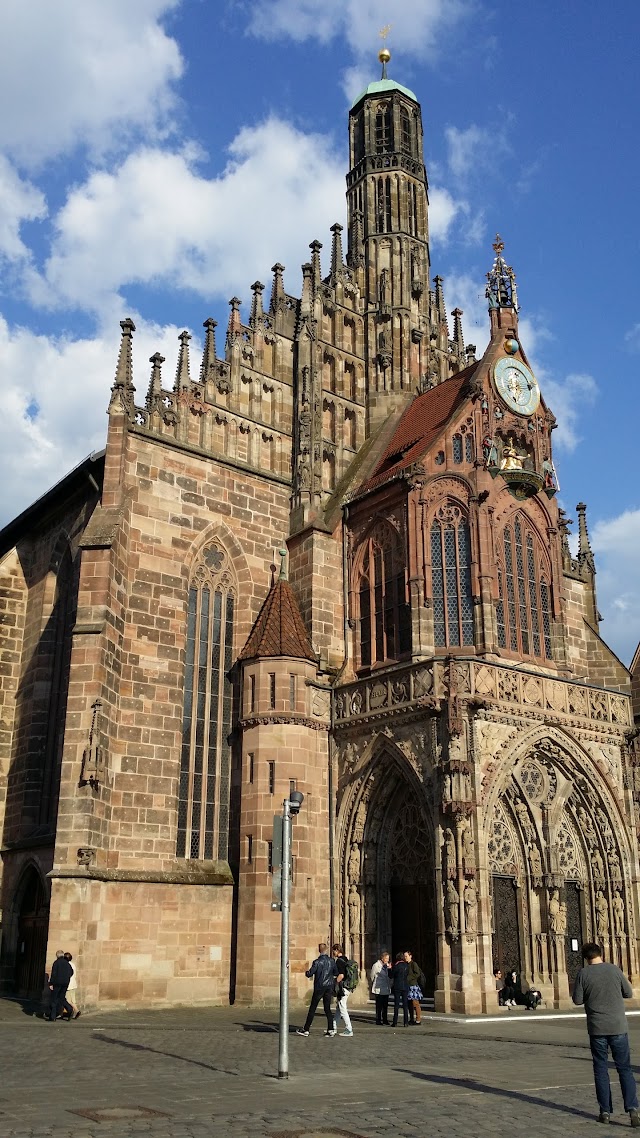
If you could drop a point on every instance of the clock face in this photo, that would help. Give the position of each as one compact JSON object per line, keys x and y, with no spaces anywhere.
{"x":516,"y":386}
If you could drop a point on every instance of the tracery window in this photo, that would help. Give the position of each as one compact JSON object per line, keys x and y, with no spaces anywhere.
{"x":451,"y":578}
{"x":385,"y":614}
{"x":523,"y":610}
{"x":384,"y":205}
{"x":206,"y":720}
{"x":383,"y":128}
{"x":405,"y":131}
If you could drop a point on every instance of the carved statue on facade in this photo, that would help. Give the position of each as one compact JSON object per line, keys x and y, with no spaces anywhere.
{"x":586,"y":825}
{"x":360,"y":819}
{"x":468,"y":850}
{"x":554,"y":912}
{"x":535,"y":865}
{"x":597,"y":865}
{"x":471,"y":907}
{"x":511,"y":460}
{"x":602,"y":914}
{"x":354,"y":911}
{"x":353,"y":868}
{"x":562,"y":919}
{"x":446,"y":788}
{"x":618,"y":913}
{"x":449,"y":850}
{"x":525,"y":822}
{"x":452,"y":910}
{"x":614,"y":867}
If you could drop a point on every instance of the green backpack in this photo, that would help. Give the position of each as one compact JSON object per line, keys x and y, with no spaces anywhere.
{"x":352,"y":976}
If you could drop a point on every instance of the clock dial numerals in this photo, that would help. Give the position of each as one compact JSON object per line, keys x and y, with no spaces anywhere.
{"x":516,"y":386}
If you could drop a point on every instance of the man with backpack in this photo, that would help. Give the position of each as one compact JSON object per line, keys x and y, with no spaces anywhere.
{"x":324,"y":972}
{"x":346,"y":981}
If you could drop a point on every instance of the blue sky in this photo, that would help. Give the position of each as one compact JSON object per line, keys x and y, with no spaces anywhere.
{"x":160,"y":156}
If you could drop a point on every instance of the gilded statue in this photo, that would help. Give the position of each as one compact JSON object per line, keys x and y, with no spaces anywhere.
{"x":511,"y":460}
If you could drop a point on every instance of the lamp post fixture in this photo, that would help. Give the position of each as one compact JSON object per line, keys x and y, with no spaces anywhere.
{"x":290,"y":808}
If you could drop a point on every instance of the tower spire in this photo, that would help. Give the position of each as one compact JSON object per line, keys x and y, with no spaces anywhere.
{"x":183,"y":379}
{"x":586,"y":559}
{"x":257,"y":311}
{"x":123,"y":389}
{"x":458,"y":338}
{"x":501,"y":289}
{"x":155,"y":383}
{"x":209,"y":353}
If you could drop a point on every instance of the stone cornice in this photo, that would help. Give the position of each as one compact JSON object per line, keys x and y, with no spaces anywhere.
{"x":215,"y":873}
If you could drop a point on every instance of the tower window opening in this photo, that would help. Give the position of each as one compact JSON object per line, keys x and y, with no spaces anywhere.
{"x":358,"y":139}
{"x":272,"y":690}
{"x":292,"y":692}
{"x":383,"y":129}
{"x":523,"y":610}
{"x":405,"y":132}
{"x":385,"y":614}
{"x":384,"y":205}
{"x":451,"y":579}
{"x":272,"y":776}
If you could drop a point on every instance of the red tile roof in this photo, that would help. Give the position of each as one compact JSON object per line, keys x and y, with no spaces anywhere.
{"x":422,"y":421}
{"x":279,"y":629}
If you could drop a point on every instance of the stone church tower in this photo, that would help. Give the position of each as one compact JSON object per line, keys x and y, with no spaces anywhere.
{"x":425,"y":664}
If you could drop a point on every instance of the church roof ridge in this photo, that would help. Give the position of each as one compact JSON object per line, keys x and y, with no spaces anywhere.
{"x":279,"y":629}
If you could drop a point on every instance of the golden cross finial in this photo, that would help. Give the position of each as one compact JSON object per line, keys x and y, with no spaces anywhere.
{"x":498,"y":245}
{"x":384,"y":32}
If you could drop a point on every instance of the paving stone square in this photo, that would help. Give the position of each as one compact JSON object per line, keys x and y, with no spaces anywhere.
{"x":192,"y":1073}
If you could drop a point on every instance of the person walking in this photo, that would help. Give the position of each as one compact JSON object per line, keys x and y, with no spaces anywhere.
{"x":72,"y":987}
{"x":399,"y":974}
{"x":603,"y":988}
{"x":415,"y":979}
{"x":61,"y":974}
{"x":343,"y":991}
{"x":381,"y":988}
{"x":324,"y":972}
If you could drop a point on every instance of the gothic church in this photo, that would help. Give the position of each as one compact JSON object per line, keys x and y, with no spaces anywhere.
{"x":422,"y":660}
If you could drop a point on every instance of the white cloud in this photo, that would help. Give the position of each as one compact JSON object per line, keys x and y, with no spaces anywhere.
{"x":416,"y":24}
{"x":466,"y":147}
{"x":19,"y":201}
{"x":632,"y":338}
{"x":55,"y":395}
{"x":73,"y":72}
{"x":444,"y":209}
{"x":616,"y":544}
{"x":155,"y":219}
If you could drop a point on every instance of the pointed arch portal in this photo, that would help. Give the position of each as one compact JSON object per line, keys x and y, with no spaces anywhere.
{"x":388,"y":870}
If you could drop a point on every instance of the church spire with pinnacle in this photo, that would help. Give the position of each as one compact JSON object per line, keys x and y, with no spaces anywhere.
{"x":209,"y":353}
{"x":123,"y":390}
{"x":155,"y":382}
{"x":183,"y":378}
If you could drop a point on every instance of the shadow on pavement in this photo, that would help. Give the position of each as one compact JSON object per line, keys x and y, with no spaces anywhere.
{"x":157,"y":1051}
{"x":500,"y":1092}
{"x":257,"y":1025}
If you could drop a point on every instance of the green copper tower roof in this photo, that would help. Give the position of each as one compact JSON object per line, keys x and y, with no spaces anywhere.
{"x":382,"y":86}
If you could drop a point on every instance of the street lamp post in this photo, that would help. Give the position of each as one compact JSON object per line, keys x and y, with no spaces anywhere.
{"x":290,"y":808}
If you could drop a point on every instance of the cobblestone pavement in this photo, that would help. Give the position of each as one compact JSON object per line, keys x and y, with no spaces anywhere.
{"x":213,"y":1072}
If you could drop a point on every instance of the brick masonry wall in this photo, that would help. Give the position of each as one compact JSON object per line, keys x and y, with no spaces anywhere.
{"x":587,"y":653}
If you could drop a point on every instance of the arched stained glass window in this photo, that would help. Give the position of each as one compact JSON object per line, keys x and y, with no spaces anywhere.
{"x":456,"y":446}
{"x":451,"y":578}
{"x":523,"y":610}
{"x":205,"y":766}
{"x":385,"y":613}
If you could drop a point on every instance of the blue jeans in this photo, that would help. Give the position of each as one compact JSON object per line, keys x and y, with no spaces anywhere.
{"x":621,"y":1056}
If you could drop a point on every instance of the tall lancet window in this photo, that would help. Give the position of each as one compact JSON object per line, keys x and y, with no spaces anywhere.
{"x":523,"y":611}
{"x":451,"y":578}
{"x":385,"y":613}
{"x":205,"y":767}
{"x":383,"y":128}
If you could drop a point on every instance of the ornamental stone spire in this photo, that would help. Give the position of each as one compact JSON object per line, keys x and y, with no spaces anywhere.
{"x":123,"y":390}
{"x":209,"y":353}
{"x":183,"y":378}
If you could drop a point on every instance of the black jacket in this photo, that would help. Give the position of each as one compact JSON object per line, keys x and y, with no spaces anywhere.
{"x":324,"y":972}
{"x":61,"y":972}
{"x":399,"y":975}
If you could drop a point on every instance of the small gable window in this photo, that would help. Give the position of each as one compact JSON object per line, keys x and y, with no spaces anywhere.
{"x":457,"y":448}
{"x":451,"y":579}
{"x":385,"y":615}
{"x":523,"y":610}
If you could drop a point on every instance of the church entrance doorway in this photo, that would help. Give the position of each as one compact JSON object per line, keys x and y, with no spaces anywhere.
{"x":506,"y":926}
{"x":392,"y":847}
{"x":33,"y":925}
{"x":574,"y":930}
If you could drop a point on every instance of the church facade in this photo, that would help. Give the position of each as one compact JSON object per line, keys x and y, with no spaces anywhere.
{"x":421,"y":659}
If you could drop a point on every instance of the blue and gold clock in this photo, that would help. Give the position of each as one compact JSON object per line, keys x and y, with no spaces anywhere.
{"x":516,"y":386}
